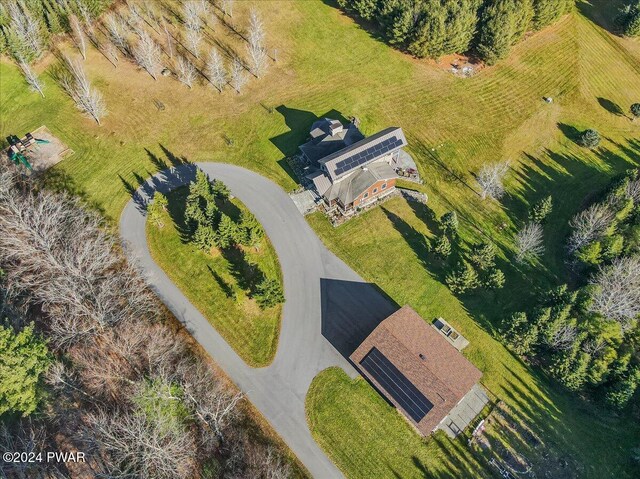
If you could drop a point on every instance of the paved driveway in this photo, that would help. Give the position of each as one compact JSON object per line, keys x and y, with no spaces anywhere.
{"x":324,"y":299}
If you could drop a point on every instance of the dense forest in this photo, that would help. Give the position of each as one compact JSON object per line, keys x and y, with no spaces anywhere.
{"x":433,"y":28}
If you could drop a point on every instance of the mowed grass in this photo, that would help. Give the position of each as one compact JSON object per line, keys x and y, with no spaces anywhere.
{"x":329,"y":65}
{"x":217,"y":283}
{"x":366,"y":437}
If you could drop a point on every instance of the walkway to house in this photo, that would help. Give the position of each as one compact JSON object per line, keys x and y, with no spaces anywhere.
{"x":324,"y":299}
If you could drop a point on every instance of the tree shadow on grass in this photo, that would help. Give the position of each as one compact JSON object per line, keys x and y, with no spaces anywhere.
{"x":571,"y":132}
{"x":58,"y":180}
{"x":226,"y":288}
{"x":246,"y":274}
{"x":611,"y":106}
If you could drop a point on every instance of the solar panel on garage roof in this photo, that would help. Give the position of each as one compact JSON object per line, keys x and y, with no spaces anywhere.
{"x":369,"y":154}
{"x":396,"y":384}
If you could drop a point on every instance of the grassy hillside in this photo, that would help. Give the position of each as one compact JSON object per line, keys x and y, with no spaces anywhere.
{"x":328,"y":65}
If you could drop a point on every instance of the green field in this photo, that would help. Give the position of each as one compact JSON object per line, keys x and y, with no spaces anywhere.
{"x":218,"y":283}
{"x":330,"y":65}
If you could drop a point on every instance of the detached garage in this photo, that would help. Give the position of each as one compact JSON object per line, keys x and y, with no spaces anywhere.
{"x":421,"y":373}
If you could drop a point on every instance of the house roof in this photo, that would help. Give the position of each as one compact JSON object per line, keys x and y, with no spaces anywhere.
{"x":367,"y":150}
{"x":415,"y":368}
{"x":329,"y":136}
{"x":358,"y":181}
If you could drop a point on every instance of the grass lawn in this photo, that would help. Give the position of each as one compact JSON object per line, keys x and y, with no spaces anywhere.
{"x":218,"y":283}
{"x":329,"y":65}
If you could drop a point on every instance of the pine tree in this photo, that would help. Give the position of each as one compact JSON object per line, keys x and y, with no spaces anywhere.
{"x":502,"y":24}
{"x":269,"y":293}
{"x":589,"y":138}
{"x":250,"y":231}
{"x":449,"y":223}
{"x":541,"y":210}
{"x":220,"y":190}
{"x":156,"y":209}
{"x":520,"y":334}
{"x":462,"y":279}
{"x":483,"y":256}
{"x":547,"y":12}
{"x":24,"y":358}
{"x":205,"y":237}
{"x":442,"y":246}
{"x":621,"y":390}
{"x":495,"y":279}
{"x":227,"y":232}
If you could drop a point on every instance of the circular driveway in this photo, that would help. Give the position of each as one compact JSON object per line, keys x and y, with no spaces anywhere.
{"x":328,"y":307}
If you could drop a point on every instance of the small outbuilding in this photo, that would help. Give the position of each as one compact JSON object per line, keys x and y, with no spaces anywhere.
{"x":421,"y":373}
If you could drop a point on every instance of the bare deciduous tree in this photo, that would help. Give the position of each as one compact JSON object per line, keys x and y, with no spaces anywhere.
{"x":116,"y":28}
{"x":617,"y":291}
{"x":78,"y":35}
{"x":594,"y":347}
{"x":26,"y":30}
{"x":255,"y":47}
{"x":168,"y":37}
{"x":87,"y":21}
{"x":185,"y":71}
{"x":193,"y":40}
{"x":148,"y":55}
{"x":216,"y":71}
{"x":529,"y":242}
{"x":632,"y":190}
{"x":59,"y":257}
{"x":87,"y":99}
{"x":143,"y":447}
{"x":191,"y":15}
{"x":589,"y":225}
{"x":490,"y":178}
{"x":238,"y":76}
{"x":32,"y":79}
{"x":563,"y":337}
{"x":256,"y":29}
{"x":227,"y":7}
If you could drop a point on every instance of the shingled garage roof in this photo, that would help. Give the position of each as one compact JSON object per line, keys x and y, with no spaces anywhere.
{"x":350,"y":187}
{"x":415,"y":368}
{"x":364,"y":151}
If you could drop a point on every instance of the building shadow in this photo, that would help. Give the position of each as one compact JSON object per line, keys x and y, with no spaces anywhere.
{"x":299,"y":123}
{"x":350,"y":311}
{"x":610,"y":106}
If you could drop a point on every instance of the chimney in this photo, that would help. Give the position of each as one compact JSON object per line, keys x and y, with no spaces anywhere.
{"x":335,"y":127}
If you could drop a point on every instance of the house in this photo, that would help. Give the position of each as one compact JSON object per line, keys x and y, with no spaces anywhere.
{"x":349,"y":171}
{"x":424,"y":376}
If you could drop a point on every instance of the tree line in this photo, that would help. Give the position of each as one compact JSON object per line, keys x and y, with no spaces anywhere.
{"x":90,"y":361}
{"x":434,"y":28}
{"x":588,"y":337}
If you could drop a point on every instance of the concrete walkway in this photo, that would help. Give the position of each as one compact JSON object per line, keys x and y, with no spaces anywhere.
{"x":324,"y":299}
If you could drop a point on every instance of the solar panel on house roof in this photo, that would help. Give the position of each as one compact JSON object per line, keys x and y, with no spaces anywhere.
{"x":396,"y":384}
{"x":369,"y":154}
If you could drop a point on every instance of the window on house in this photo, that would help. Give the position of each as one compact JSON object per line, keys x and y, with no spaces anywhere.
{"x":375,"y":190}
{"x":384,"y":186}
{"x":365,"y":195}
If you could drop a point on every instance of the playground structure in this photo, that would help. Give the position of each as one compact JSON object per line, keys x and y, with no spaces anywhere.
{"x":36,"y":151}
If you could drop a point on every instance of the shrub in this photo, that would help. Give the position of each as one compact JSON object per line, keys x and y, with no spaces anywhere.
{"x":635,"y":110}
{"x":589,"y":138}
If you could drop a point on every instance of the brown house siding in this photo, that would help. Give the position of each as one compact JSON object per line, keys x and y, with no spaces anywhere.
{"x":361,"y":199}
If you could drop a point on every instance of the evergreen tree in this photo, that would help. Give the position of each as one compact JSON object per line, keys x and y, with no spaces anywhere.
{"x":442,"y":246}
{"x":502,"y":24}
{"x":250,"y":231}
{"x":483,"y":256}
{"x":156,"y":209}
{"x":24,"y":358}
{"x":445,"y":27}
{"x":621,"y":390}
{"x":630,"y":19}
{"x":269,"y":293}
{"x":547,"y":12}
{"x":449,"y":223}
{"x":220,"y":190}
{"x":541,"y":210}
{"x":205,"y":237}
{"x":635,"y":110}
{"x":494,"y":279}
{"x":462,"y":279}
{"x":227,"y":232}
{"x":570,"y":368}
{"x":589,"y":138}
{"x":590,"y":254}
{"x":520,"y":334}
